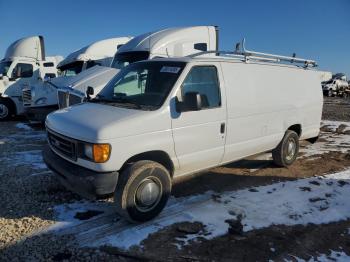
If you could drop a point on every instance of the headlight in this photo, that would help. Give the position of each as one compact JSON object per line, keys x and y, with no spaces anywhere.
{"x":99,"y":153}
{"x":41,"y":101}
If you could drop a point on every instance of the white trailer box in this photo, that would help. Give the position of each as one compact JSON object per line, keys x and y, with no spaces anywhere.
{"x":23,"y":65}
{"x":41,"y":99}
{"x":171,"y":42}
{"x":168,"y":117}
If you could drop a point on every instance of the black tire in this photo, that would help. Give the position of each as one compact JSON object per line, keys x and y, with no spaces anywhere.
{"x":330,"y":93}
{"x":6,"y":109}
{"x":132,"y":188}
{"x":283,"y":155}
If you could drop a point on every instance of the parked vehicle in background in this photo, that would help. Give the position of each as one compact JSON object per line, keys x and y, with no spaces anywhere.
{"x":168,"y":117}
{"x":337,"y":86}
{"x":23,"y":65}
{"x":41,"y":99}
{"x":171,"y":42}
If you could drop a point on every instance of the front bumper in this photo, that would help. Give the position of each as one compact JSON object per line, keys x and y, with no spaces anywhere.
{"x":39,"y":113}
{"x":85,"y":182}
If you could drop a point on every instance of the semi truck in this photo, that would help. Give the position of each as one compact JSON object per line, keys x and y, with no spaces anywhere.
{"x":23,"y":65}
{"x":170,"y":42}
{"x":41,"y":98}
{"x":336,"y":86}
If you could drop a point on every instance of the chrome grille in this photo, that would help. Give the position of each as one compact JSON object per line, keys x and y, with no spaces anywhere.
{"x":62,"y":145}
{"x":62,"y":99}
{"x":66,"y":99}
{"x":27,"y":96}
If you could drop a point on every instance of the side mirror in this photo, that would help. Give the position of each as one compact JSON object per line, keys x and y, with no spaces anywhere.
{"x":89,"y":92}
{"x":192,"y":101}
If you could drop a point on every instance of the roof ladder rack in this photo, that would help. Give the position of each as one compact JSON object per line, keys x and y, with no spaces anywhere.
{"x":242,"y":52}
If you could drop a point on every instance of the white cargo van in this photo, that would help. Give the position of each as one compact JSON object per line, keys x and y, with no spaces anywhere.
{"x":170,"y":42}
{"x":41,"y":99}
{"x":164,"y":118}
{"x":23,"y":65}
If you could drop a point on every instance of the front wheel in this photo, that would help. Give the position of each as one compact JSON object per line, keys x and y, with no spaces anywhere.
{"x":287,"y":150}
{"x":142,"y":191}
{"x":330,"y":93}
{"x":5,"y":110}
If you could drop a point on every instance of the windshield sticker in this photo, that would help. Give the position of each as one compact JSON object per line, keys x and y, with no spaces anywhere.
{"x":170,"y":69}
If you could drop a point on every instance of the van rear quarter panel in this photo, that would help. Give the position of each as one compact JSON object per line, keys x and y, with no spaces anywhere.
{"x":263,"y":101}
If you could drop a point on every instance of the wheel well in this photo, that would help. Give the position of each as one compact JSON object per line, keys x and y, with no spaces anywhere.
{"x":157,"y":156}
{"x":11,"y":104}
{"x":296,"y":128}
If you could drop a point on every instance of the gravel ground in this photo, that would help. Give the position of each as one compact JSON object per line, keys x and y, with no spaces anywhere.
{"x":336,"y":109}
{"x":29,"y":192}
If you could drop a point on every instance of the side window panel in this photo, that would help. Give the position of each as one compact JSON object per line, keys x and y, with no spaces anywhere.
{"x":22,"y":70}
{"x":204,"y":80}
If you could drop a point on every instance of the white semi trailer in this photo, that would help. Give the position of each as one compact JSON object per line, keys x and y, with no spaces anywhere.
{"x":23,"y":65}
{"x":41,"y":99}
{"x":170,"y":42}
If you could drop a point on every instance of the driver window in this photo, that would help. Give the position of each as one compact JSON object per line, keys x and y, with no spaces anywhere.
{"x":203,"y":80}
{"x":22,"y":70}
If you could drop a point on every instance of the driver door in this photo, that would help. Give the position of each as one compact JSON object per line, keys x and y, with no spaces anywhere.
{"x":199,"y":136}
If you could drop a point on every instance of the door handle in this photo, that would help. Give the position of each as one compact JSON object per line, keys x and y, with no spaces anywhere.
{"x":222,"y":128}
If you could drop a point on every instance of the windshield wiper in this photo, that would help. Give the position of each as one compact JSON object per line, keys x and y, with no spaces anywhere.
{"x":98,"y":99}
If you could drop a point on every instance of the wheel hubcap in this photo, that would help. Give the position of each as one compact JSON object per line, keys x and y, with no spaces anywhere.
{"x":3,"y":111}
{"x":147,"y":194}
{"x":291,"y":147}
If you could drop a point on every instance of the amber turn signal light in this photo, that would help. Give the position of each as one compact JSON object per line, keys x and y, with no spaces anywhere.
{"x":101,"y":152}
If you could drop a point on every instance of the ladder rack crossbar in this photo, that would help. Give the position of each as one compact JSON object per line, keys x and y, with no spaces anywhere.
{"x":247,"y":54}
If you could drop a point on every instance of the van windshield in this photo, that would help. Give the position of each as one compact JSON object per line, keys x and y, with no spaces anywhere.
{"x":143,"y":85}
{"x":71,"y":69}
{"x":122,"y":60}
{"x":4,"y":67}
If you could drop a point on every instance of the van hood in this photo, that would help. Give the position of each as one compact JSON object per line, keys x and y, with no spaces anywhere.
{"x":92,"y":122}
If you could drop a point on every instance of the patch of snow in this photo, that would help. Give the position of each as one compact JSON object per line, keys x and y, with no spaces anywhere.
{"x":41,"y":173}
{"x":32,"y":157}
{"x":66,"y":213}
{"x":334,"y":256}
{"x":333,"y":125}
{"x":290,"y":203}
{"x":333,"y":142}
{"x":24,"y":127}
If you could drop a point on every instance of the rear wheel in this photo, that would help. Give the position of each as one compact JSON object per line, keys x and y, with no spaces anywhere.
{"x":142,"y":191}
{"x":287,"y":150}
{"x":5,"y":109}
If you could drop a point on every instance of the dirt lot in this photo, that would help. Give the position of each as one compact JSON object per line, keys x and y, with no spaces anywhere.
{"x":32,"y":202}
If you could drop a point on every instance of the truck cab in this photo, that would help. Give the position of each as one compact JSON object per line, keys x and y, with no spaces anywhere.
{"x":23,"y":65}
{"x":41,"y":99}
{"x":170,"y":42}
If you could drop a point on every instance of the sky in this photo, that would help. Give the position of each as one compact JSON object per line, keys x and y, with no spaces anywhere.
{"x":313,"y":29}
